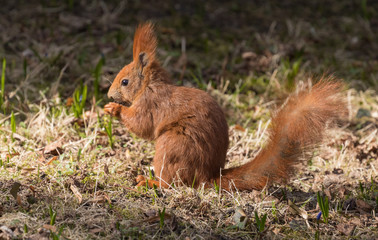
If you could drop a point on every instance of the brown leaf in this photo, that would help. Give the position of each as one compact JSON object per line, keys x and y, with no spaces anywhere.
{"x":239,"y":128}
{"x":240,"y":218}
{"x":18,"y":200}
{"x":349,"y":204}
{"x":10,"y":155}
{"x":346,"y":229}
{"x":299,"y":211}
{"x":328,"y":193}
{"x":69,"y":102}
{"x":249,"y":55}
{"x":27,"y":170}
{"x":77,"y":193}
{"x":90,"y":115}
{"x":14,"y":190}
{"x":363,"y":206}
{"x":106,"y":169}
{"x":69,"y":121}
{"x":101,"y":198}
{"x":52,"y":160}
{"x":41,"y":157}
{"x":7,"y":233}
{"x":49,"y":227}
{"x":96,"y":230}
{"x":54,"y":148}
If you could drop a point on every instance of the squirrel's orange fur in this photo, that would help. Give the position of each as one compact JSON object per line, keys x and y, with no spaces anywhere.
{"x":191,"y":132}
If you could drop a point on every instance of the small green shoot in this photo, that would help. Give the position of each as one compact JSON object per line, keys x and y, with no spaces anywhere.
{"x":274,"y":210}
{"x":324,"y":206}
{"x":162,"y":217}
{"x":52,"y":214}
{"x":2,"y":89}
{"x":79,"y":98}
{"x":364,"y":9}
{"x":260,"y":222}
{"x":150,"y":173}
{"x":154,"y":193}
{"x":109,"y":132}
{"x":216,"y":186}
{"x":291,"y":71}
{"x":201,"y":83}
{"x":26,"y":229}
{"x":13,"y":126}
{"x":194,"y":181}
{"x":79,"y":154}
{"x":25,"y":67}
{"x":363,"y":191}
{"x":70,"y":4}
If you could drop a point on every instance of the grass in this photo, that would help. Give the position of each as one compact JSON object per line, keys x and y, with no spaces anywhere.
{"x":87,"y":190}
{"x":79,"y":100}
{"x":324,"y":206}
{"x":2,"y":84}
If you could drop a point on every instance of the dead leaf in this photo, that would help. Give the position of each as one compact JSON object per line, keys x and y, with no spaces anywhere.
{"x":41,"y":157}
{"x":363,"y":206}
{"x":10,"y":155}
{"x":18,"y":200}
{"x":69,"y":102}
{"x":346,"y":229}
{"x":106,"y":169}
{"x":69,"y":121}
{"x":239,"y":128}
{"x":74,"y":21}
{"x":49,"y":227}
{"x":350,"y":204}
{"x":77,"y":193}
{"x":240,"y":218}
{"x":90,"y":115}
{"x":337,"y":171}
{"x":8,"y":232}
{"x":25,"y":171}
{"x":96,"y":230}
{"x":328,"y":194}
{"x":296,"y":210}
{"x":54,"y":148}
{"x":52,"y":160}
{"x":14,"y":190}
{"x":101,"y":198}
{"x":19,"y":137}
{"x":249,"y":55}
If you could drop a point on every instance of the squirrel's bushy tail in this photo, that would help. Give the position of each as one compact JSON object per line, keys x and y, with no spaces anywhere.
{"x":295,"y":129}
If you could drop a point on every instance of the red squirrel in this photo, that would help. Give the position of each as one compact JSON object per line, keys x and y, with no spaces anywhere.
{"x":191,"y":133}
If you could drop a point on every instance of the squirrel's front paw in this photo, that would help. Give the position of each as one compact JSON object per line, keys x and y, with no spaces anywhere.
{"x":113,"y":109}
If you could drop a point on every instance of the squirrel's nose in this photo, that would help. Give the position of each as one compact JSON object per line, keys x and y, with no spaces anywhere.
{"x":110,"y":93}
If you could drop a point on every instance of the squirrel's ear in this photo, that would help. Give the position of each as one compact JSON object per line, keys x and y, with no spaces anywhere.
{"x":142,"y":62}
{"x":143,"y":59}
{"x":144,"y":43}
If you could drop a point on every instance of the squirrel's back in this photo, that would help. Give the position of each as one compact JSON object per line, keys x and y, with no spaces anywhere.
{"x":191,"y":134}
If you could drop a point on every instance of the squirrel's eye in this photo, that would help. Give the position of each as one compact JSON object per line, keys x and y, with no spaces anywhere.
{"x":125,"y":82}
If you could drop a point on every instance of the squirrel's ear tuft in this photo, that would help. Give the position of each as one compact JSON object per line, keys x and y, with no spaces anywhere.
{"x":145,"y":42}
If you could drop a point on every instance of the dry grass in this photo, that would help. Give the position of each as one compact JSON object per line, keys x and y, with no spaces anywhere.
{"x":90,"y":186}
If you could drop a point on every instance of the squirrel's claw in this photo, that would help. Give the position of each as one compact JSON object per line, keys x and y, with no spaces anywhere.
{"x":140,"y":178}
{"x":113,"y":109}
{"x":142,"y":181}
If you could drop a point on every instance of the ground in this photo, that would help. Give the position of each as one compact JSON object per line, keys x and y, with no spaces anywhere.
{"x":64,"y":174}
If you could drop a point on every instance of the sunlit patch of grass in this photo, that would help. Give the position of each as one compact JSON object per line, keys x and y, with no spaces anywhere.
{"x":102,"y":173}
